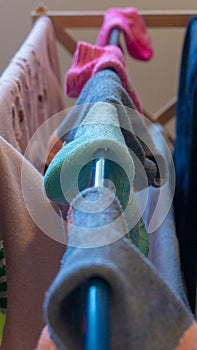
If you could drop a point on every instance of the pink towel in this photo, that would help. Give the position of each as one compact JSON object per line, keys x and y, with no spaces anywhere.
{"x":132,"y":24}
{"x":90,"y":59}
{"x":31,"y":91}
{"x":33,"y":258}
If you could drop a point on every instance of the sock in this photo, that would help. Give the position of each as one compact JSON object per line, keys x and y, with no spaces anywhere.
{"x":90,"y":59}
{"x":132,"y":24}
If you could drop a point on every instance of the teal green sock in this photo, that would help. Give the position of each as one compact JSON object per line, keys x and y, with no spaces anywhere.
{"x":70,"y":169}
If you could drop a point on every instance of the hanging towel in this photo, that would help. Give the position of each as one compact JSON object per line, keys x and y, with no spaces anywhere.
{"x":34,"y":238}
{"x":105,"y":86}
{"x":158,"y":216}
{"x":9,"y":126}
{"x":185,"y":160}
{"x":31,"y":91}
{"x":132,"y":24}
{"x":145,"y":313}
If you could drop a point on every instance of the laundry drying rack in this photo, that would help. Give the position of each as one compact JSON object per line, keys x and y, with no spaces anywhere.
{"x":63,"y":21}
{"x":98,"y":292}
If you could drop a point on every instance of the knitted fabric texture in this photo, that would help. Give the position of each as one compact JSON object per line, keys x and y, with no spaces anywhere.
{"x":132,"y":24}
{"x":90,"y":59}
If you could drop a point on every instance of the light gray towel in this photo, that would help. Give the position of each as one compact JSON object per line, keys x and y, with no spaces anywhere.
{"x":159,"y":220}
{"x":145,"y":313}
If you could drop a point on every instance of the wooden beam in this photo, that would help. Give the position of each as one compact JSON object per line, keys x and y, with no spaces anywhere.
{"x":66,"y":39}
{"x":94,"y":19}
{"x":166,"y":113}
{"x":167,"y":19}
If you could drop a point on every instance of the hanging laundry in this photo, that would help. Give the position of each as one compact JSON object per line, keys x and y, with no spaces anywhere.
{"x":31,"y":91}
{"x":32,"y":257}
{"x":99,"y":130}
{"x":142,"y":298}
{"x":163,"y":254}
{"x":132,"y":25}
{"x":106,"y":86}
{"x":158,"y":216}
{"x":90,"y":59}
{"x":185,"y":161}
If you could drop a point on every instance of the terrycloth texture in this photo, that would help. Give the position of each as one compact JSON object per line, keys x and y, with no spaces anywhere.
{"x":90,"y":59}
{"x":31,"y":91}
{"x":32,"y":257}
{"x":92,"y":203}
{"x":185,"y":160}
{"x":159,"y":220}
{"x":70,"y":169}
{"x":100,"y":205}
{"x":99,"y":131}
{"x":132,"y":24}
{"x":105,"y":86}
{"x":145,"y":313}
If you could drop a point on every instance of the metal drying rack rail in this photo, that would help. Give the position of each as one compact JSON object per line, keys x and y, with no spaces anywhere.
{"x":97,"y":315}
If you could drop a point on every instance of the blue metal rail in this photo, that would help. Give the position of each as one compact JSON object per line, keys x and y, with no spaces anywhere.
{"x":97,"y":311}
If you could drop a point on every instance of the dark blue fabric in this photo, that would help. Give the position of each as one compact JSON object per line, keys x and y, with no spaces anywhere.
{"x":185,"y":159}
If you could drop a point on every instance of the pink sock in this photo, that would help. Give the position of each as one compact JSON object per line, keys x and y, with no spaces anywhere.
{"x":90,"y":59}
{"x":132,"y":24}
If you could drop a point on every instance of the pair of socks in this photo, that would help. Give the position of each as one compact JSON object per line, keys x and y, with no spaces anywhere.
{"x":89,"y":59}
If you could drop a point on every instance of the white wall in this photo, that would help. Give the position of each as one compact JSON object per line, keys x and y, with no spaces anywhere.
{"x":155,"y":81}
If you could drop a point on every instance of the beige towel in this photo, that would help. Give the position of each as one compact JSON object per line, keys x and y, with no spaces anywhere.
{"x":31,"y":91}
{"x":33,"y":258}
